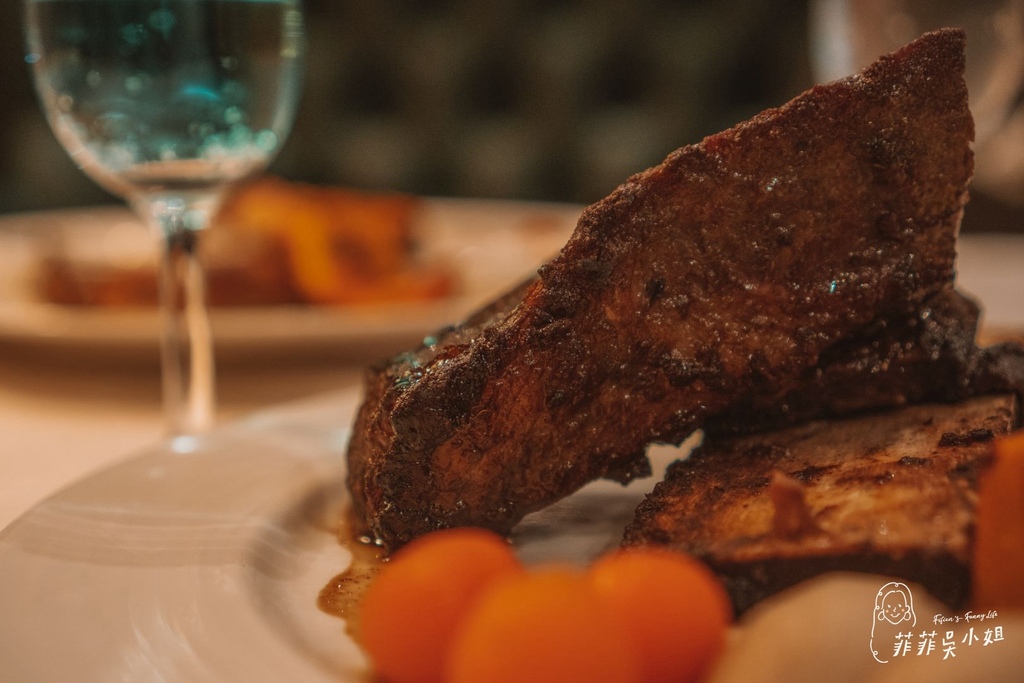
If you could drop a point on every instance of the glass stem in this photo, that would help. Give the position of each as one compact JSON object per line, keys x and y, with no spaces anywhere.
{"x":188,"y":374}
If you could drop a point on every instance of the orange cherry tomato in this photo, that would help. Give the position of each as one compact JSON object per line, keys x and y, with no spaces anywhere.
{"x":414,"y":606}
{"x":671,"y":607}
{"x":547,"y":626}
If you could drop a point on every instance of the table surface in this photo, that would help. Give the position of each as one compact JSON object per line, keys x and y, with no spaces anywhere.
{"x":61,"y":420}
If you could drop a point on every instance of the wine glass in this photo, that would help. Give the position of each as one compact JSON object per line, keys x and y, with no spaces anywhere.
{"x":166,"y":103}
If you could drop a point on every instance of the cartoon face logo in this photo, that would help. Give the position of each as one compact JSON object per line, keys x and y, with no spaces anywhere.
{"x":893,"y":605}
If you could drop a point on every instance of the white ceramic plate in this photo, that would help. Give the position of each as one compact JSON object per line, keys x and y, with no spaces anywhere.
{"x":202,"y":560}
{"x":491,"y":244}
{"x":192,"y":562}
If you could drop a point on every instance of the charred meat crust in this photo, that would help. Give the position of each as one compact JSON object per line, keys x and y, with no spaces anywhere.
{"x":930,"y":354}
{"x":890,"y":493}
{"x":725,"y":271}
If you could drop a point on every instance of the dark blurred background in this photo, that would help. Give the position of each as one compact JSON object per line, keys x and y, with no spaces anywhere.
{"x":532,"y":99}
{"x":527,"y":99}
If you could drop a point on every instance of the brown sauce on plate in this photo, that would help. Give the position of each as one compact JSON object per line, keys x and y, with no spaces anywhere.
{"x":342,"y":597}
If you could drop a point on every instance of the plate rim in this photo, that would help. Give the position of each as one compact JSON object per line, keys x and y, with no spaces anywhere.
{"x":304,"y":458}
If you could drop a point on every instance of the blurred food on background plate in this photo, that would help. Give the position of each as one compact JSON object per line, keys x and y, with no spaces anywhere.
{"x":276,"y":242}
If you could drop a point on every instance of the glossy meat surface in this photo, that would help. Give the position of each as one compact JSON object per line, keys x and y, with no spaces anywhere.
{"x":724,"y":272}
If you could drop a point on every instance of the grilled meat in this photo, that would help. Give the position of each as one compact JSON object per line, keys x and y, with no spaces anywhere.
{"x":930,"y":354}
{"x":892,"y":493}
{"x":724,"y":272}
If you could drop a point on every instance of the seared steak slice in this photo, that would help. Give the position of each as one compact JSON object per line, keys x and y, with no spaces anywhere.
{"x":724,"y":272}
{"x":892,"y":493}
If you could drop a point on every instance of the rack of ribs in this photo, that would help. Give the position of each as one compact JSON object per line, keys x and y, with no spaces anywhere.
{"x":725,"y":273}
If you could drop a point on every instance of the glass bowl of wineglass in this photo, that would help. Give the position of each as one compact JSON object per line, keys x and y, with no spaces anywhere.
{"x":166,"y":103}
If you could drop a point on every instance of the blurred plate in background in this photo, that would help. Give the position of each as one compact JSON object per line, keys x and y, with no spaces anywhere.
{"x":492,"y":245}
